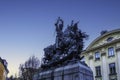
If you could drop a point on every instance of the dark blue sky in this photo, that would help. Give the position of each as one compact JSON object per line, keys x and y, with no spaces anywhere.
{"x":27,"y":26}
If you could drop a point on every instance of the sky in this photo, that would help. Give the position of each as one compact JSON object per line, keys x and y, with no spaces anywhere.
{"x":27,"y":26}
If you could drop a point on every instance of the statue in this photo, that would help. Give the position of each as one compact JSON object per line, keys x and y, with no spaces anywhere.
{"x":59,"y":28}
{"x":49,"y":52}
{"x":68,"y":45}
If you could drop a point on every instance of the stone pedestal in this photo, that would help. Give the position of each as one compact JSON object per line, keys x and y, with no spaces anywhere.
{"x":72,"y":71}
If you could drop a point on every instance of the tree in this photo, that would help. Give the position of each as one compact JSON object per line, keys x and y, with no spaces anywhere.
{"x":29,"y":68}
{"x":12,"y":78}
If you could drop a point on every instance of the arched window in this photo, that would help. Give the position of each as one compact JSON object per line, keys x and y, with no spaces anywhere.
{"x":109,"y":39}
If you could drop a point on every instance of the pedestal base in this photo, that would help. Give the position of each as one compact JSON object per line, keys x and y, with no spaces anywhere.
{"x":72,"y":71}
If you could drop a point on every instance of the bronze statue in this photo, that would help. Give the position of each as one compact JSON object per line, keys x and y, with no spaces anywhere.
{"x":68,"y":45}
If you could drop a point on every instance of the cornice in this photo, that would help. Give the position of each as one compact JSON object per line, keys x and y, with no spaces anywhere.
{"x":103,"y":45}
{"x":98,"y":38}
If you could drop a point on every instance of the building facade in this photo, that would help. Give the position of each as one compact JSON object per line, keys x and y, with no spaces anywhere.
{"x":103,"y":56}
{"x":3,"y":69}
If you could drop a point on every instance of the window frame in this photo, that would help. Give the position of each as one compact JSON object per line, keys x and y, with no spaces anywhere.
{"x":112,"y":68}
{"x":111,"y":52}
{"x":97,"y":55}
{"x":109,"y":39}
{"x":98,"y":71}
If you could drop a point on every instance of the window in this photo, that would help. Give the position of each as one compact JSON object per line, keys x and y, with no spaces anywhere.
{"x":98,"y":71}
{"x":76,"y":77}
{"x":109,"y":39}
{"x":112,"y":68}
{"x":97,"y":55}
{"x":110,"y":51}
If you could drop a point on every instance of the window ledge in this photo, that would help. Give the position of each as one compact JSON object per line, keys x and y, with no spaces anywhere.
{"x":111,"y":56}
{"x":112,"y":74}
{"x":97,"y":59}
{"x":98,"y":76}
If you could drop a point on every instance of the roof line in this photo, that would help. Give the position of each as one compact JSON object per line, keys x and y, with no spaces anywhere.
{"x":101,"y":36}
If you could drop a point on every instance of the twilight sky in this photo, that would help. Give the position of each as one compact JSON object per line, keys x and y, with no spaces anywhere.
{"x":27,"y":26}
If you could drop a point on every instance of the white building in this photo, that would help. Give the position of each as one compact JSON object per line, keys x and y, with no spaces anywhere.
{"x":103,"y":56}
